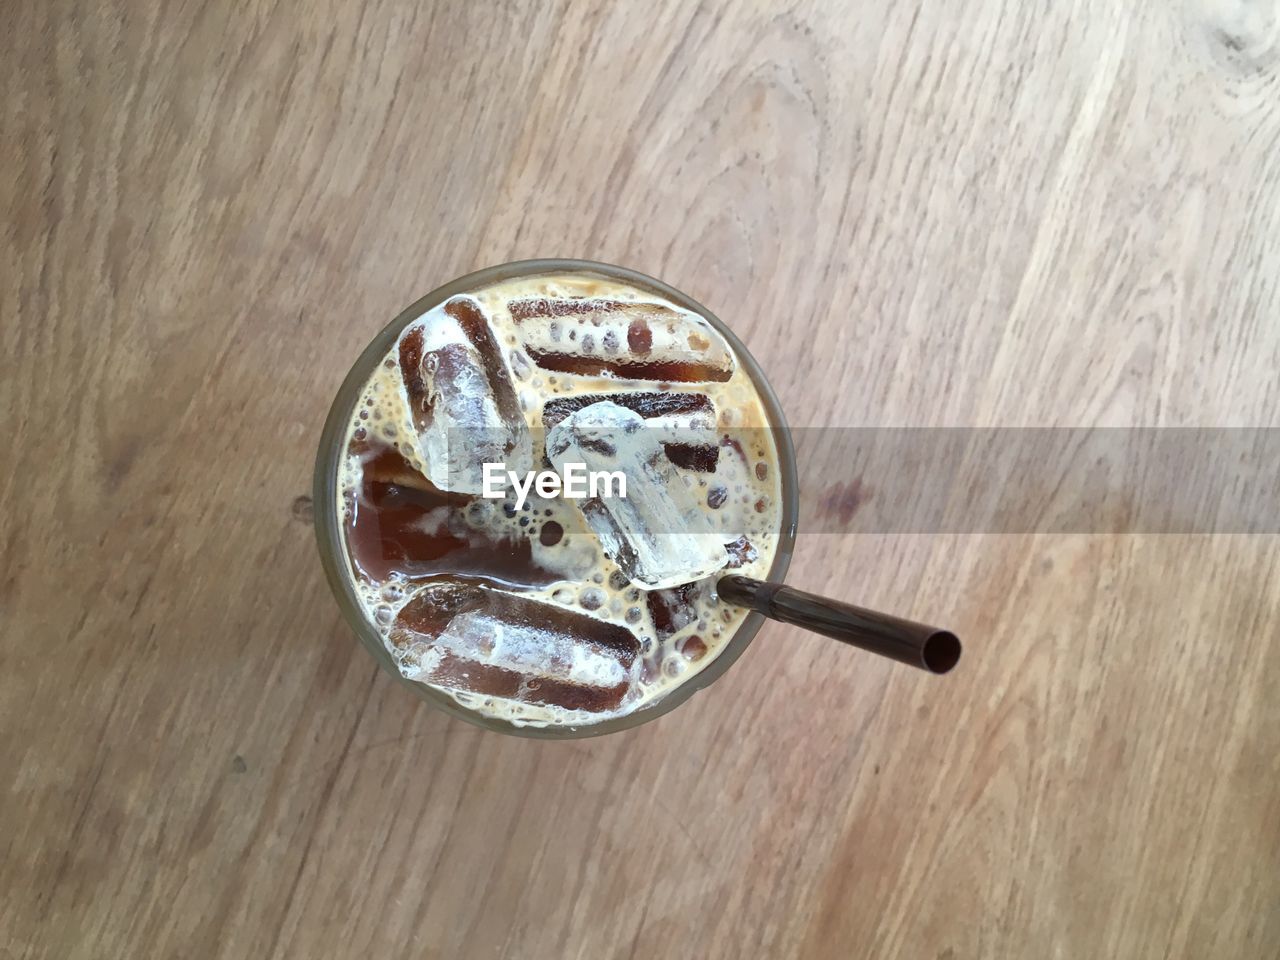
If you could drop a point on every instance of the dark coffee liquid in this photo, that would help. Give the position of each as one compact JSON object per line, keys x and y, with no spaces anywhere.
{"x":401,"y":525}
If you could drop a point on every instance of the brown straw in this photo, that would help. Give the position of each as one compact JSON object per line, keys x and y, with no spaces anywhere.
{"x":928,"y":648}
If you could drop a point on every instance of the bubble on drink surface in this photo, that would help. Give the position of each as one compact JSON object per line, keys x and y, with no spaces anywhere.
{"x":591,"y":599}
{"x":633,"y":615}
{"x":692,"y":647}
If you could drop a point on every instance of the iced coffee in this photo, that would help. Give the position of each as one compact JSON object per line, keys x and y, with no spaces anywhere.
{"x":482,"y":575}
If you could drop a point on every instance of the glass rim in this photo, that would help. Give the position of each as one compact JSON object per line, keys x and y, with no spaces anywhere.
{"x":332,"y":547}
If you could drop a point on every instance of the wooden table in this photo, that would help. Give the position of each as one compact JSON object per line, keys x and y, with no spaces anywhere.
{"x":941,"y":214}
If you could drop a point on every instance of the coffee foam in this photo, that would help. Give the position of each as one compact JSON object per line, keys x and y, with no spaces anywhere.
{"x":591,"y":581}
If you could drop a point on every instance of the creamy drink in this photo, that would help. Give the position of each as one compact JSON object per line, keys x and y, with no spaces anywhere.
{"x":482,"y":550}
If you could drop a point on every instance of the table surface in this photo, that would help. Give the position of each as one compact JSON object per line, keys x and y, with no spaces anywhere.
{"x":941,"y":214}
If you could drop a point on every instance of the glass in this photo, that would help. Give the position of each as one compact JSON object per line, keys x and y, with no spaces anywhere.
{"x":333,"y":553}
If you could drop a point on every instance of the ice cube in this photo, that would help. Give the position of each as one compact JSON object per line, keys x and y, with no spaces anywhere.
{"x":673,"y":609}
{"x":468,"y":636}
{"x":636,"y":340}
{"x":672,"y":409}
{"x":460,"y":395}
{"x":658,"y":533}
{"x":741,"y":552}
{"x":650,"y":404}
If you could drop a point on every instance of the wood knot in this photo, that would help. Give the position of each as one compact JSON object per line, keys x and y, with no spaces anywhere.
{"x":302,"y":509}
{"x":841,"y":501}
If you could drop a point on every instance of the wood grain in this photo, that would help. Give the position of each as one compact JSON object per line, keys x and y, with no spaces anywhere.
{"x":943,"y":214}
